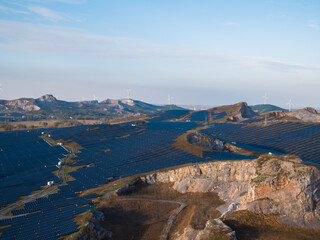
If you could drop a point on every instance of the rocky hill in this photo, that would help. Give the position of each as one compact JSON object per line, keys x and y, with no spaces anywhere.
{"x":236,"y":112}
{"x":49,"y":106}
{"x":306,"y":114}
{"x":275,"y":185}
{"x":263,"y":108}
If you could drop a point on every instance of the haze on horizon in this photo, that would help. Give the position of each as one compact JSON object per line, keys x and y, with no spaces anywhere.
{"x":199,"y":52}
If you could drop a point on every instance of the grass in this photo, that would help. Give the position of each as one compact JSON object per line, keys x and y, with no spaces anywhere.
{"x":3,"y":227}
{"x":145,"y":216}
{"x":67,"y":170}
{"x":260,"y":178}
{"x":182,"y":143}
{"x":81,"y":220}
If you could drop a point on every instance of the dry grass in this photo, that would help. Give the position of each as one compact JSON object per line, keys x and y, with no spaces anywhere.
{"x":252,"y":226}
{"x":182,"y":143}
{"x":125,"y":136}
{"x":109,"y":187}
{"x":129,"y":119}
{"x":4,"y":227}
{"x":200,"y":206}
{"x":81,"y":220}
{"x":121,"y":182}
{"x":49,"y":124}
{"x":143,"y":220}
{"x":66,"y":170}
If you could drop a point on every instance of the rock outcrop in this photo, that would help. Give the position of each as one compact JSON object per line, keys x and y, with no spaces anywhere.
{"x":307,"y":114}
{"x":49,"y":102}
{"x":214,"y":229}
{"x":268,"y":185}
{"x":207,"y":141}
{"x":236,"y":112}
{"x":93,"y":229}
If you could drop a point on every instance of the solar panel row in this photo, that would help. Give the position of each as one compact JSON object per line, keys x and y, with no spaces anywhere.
{"x":301,"y":139}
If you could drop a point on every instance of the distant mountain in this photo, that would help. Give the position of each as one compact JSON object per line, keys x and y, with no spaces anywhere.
{"x":48,"y":106}
{"x":263,"y":108}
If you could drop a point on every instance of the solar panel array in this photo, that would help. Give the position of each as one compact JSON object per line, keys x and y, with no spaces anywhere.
{"x":216,"y":116}
{"x":11,"y":117}
{"x":130,"y":150}
{"x":301,"y":139}
{"x":113,"y":151}
{"x":199,"y":116}
{"x":49,"y":224}
{"x":109,"y":152}
{"x":170,"y":114}
{"x":26,"y":164}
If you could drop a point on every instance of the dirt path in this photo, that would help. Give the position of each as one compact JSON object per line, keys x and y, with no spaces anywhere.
{"x":164,"y":235}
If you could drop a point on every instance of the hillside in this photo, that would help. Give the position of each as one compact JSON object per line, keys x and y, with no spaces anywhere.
{"x":49,"y":107}
{"x":236,"y":112}
{"x":263,"y":108}
{"x":306,"y":114}
{"x":249,"y":199}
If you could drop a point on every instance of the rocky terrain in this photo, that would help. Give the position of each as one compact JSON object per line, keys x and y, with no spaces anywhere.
{"x":236,"y":112}
{"x":268,"y":185}
{"x":48,"y":107}
{"x":209,"y":142}
{"x":50,"y":102}
{"x":306,"y":114}
{"x":278,"y":194}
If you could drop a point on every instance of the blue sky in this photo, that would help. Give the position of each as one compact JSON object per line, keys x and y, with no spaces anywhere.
{"x":199,"y":52}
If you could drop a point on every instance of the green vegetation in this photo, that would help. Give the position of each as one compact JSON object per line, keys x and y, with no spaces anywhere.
{"x":262,"y":108}
{"x":260,"y":178}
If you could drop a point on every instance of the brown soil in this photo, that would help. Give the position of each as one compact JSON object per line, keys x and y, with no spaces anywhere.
{"x":252,"y":226}
{"x":146,"y":220}
{"x":135,"y":219}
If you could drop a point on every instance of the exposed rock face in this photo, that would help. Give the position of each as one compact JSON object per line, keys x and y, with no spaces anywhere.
{"x":265,"y":185}
{"x":214,"y":228}
{"x":93,"y":230}
{"x":22,"y":104}
{"x":246,"y":111}
{"x":311,"y":110}
{"x":236,"y":112}
{"x":307,"y":114}
{"x":207,"y":141}
{"x":276,"y":114}
{"x":122,"y":106}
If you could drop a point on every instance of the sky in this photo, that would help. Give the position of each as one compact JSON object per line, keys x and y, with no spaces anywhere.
{"x":204,"y":52}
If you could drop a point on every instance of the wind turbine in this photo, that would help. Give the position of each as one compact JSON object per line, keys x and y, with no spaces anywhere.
{"x":290,"y":104}
{"x":169,"y":99}
{"x":128,"y":93}
{"x":265,"y":97}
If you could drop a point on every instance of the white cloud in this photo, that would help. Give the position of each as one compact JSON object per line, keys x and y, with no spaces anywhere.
{"x":44,"y":12}
{"x":314,"y":25}
{"x":50,"y":14}
{"x":11,"y":10}
{"x":45,"y":39}
{"x":62,"y":1}
{"x":283,"y":66}
{"x":36,"y":38}
{"x":229,"y":23}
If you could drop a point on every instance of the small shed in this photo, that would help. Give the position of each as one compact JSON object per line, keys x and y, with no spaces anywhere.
{"x":50,"y":183}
